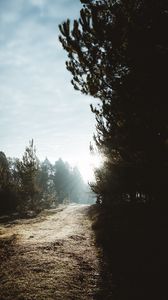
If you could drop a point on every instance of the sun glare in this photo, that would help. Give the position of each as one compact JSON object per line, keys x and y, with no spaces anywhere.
{"x":87,"y":166}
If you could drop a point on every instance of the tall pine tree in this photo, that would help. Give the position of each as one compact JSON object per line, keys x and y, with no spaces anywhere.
{"x":29,"y":190}
{"x":118,"y":52}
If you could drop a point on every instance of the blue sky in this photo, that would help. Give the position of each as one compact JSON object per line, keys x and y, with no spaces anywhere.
{"x":37,"y":99}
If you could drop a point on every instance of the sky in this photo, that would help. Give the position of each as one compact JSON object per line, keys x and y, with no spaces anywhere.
{"x":37,"y":99}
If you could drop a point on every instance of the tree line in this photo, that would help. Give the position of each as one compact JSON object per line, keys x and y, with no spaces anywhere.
{"x":28,"y":185}
{"x":118,"y":53}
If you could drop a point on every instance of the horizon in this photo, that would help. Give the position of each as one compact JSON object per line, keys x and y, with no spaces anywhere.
{"x":37,"y":98}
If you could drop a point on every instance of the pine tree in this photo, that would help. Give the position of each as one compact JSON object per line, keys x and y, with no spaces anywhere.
{"x":118,"y":52}
{"x":46,"y":183}
{"x":27,"y":169}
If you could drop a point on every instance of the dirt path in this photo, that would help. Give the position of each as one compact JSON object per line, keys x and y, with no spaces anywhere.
{"x":51,"y":257}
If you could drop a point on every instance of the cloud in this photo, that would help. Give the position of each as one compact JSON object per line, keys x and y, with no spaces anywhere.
{"x":38,"y":3}
{"x":37,"y":99}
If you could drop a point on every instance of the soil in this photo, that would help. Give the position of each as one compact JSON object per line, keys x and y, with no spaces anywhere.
{"x":52,"y":256}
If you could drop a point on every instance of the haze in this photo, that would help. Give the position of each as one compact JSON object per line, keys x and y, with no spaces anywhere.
{"x":36,"y":97}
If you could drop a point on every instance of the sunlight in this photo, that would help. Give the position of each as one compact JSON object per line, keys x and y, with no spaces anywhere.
{"x":87,"y":165}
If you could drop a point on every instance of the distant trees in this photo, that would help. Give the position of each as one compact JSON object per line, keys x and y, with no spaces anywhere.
{"x":4,"y":182}
{"x":61,"y":179}
{"x":27,"y":170}
{"x":118,"y":52}
{"x":28,"y":185}
{"x":79,"y":191}
{"x":4,"y":171}
{"x":45,"y":180}
{"x":69,"y":184}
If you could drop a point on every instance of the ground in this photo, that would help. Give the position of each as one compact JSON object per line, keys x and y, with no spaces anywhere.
{"x":53,"y":256}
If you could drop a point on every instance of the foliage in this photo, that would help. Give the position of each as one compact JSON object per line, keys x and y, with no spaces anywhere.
{"x":27,"y":170}
{"x":69,"y":184}
{"x":118,"y":52}
{"x":4,"y":170}
{"x":29,"y":186}
{"x":5,"y":187}
{"x":45,"y":181}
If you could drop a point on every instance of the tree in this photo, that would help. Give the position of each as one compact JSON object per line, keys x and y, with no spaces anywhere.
{"x":118,"y":52}
{"x":8,"y":193}
{"x":68,"y":184}
{"x":77,"y":186}
{"x":61,"y":179}
{"x":4,"y":183}
{"x":27,"y":169}
{"x":45,"y":181}
{"x":4,"y":170}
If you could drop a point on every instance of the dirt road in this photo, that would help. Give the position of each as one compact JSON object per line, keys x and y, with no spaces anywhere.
{"x":53,"y":256}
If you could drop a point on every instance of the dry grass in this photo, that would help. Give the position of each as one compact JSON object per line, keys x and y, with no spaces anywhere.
{"x":52,"y":258}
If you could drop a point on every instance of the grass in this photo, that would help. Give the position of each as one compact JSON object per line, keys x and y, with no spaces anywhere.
{"x":65,"y":267}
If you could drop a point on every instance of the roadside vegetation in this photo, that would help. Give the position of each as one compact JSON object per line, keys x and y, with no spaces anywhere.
{"x":50,"y":257}
{"x":118,"y":53}
{"x":27,"y":186}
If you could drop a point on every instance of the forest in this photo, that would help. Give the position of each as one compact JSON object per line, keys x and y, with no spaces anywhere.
{"x":117,"y":53}
{"x":28,"y":186}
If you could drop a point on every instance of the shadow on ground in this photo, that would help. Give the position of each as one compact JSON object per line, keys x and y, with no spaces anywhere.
{"x":134,"y":246}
